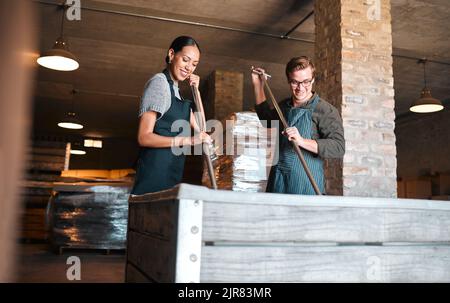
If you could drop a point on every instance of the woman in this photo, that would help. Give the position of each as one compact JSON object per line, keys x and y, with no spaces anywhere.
{"x":158,"y":168}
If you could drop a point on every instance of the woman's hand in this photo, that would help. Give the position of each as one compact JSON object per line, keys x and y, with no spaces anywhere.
{"x":200,"y":138}
{"x":293,"y":135}
{"x":194,"y":80}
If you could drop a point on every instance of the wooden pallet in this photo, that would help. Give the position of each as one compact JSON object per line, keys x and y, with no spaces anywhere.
{"x":88,"y":249}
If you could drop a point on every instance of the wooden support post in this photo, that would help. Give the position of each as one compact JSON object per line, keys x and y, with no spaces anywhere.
{"x":189,"y":241}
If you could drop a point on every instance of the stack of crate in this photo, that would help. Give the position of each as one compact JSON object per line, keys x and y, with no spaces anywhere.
{"x":35,"y":195}
{"x":436,"y":187}
{"x":441,"y":187}
{"x":246,"y":155}
{"x":45,"y":161}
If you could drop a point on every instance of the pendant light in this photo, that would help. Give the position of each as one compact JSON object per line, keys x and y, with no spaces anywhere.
{"x":76,"y":149}
{"x":426,"y":103}
{"x":77,"y":152}
{"x":70,"y":121}
{"x":59,"y":57}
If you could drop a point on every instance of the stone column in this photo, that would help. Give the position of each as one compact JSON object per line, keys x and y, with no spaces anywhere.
{"x":223,"y":94}
{"x":353,"y":57}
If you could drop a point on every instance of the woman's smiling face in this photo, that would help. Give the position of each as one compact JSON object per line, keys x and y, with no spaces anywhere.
{"x":183,"y":63}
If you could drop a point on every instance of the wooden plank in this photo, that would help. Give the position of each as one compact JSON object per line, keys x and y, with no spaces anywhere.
{"x":152,"y":238}
{"x":46,"y":176}
{"x":282,"y":223}
{"x":36,"y":229}
{"x":36,"y":191}
{"x":35,"y":212}
{"x":441,"y":198}
{"x":401,"y":189}
{"x":418,"y":189}
{"x":189,"y":241}
{"x":106,"y":248}
{"x":153,"y":256}
{"x":326,"y":264}
{"x":48,"y":151}
{"x":34,"y":221}
{"x":97,"y":187}
{"x":34,"y":234}
{"x":87,"y":173}
{"x":193,"y":192}
{"x":157,"y":218}
{"x":49,"y":144}
{"x":37,"y":184}
{"x":33,"y":225}
{"x":45,"y":158}
{"x":49,"y":166}
{"x":35,"y":201}
{"x":164,"y":195}
{"x":133,"y":275}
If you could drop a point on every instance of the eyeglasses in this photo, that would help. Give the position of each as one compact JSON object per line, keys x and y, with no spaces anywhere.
{"x":305,"y":83}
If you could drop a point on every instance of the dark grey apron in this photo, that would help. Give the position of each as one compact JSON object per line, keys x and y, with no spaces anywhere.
{"x":158,"y":168}
{"x":288,"y":175}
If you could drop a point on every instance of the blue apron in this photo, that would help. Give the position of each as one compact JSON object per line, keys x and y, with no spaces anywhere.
{"x":158,"y":168}
{"x":288,"y":175}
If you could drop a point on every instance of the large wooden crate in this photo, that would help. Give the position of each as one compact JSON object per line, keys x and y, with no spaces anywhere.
{"x":194,"y":234}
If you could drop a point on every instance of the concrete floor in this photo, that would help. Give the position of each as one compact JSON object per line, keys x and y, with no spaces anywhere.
{"x":37,"y":264}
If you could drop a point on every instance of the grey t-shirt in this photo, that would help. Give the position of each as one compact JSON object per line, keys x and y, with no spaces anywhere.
{"x":156,"y":96}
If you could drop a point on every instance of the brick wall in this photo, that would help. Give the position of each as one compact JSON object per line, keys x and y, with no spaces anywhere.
{"x":354,"y":63}
{"x":223,"y":94}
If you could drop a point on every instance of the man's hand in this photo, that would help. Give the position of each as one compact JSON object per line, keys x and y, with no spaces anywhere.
{"x":257,"y":74}
{"x":258,"y":84}
{"x":293,"y":135}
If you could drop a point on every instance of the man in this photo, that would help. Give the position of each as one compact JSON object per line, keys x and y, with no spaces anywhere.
{"x":314,"y":125}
